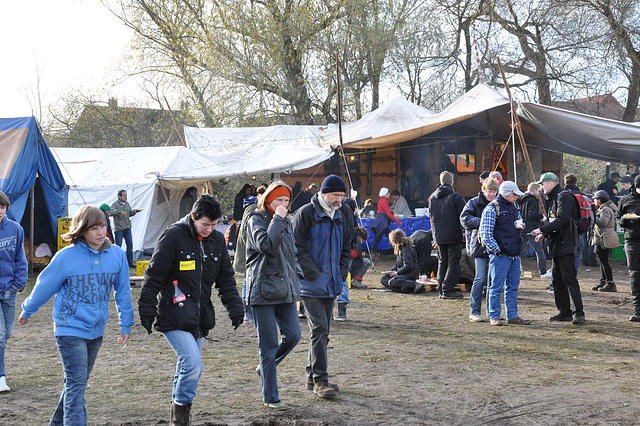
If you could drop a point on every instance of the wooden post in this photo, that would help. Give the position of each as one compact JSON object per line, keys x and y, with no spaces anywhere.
{"x":516,"y":122}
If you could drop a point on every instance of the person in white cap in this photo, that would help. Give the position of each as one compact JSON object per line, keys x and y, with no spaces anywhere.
{"x":500,"y":227}
{"x":380,"y":225}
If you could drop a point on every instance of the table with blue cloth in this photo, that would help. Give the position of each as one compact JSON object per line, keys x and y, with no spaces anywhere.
{"x":409,"y":226}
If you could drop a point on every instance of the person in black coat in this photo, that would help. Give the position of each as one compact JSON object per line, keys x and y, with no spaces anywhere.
{"x":629,"y":211}
{"x":238,"y":210}
{"x":445,"y":207}
{"x":562,"y":232}
{"x":402,"y":277}
{"x":423,"y":245}
{"x":533,"y":218}
{"x":188,"y":260}
{"x":611,"y":186}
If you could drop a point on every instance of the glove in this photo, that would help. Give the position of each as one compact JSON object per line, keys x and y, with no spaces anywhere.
{"x":237,"y":321}
{"x":544,"y":218}
{"x":147,"y":323}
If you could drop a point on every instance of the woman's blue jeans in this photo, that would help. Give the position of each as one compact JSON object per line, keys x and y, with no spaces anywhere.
{"x":188,"y":367}
{"x":480,"y":279}
{"x":78,"y":356}
{"x":268,"y":319}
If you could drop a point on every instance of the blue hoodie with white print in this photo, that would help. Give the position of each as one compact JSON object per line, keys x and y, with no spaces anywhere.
{"x":14,"y":270}
{"x":81,"y":279}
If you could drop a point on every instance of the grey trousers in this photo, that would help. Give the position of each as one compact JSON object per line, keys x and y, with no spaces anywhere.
{"x":319,"y":313}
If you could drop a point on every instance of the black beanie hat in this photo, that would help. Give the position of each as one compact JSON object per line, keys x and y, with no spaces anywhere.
{"x":332,"y":183}
{"x":636,"y":181}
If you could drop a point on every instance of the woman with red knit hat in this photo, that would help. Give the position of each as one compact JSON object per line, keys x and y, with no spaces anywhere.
{"x":273,"y":286}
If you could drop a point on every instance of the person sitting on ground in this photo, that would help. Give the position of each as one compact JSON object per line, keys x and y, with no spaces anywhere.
{"x":400,"y":207}
{"x":402,"y":277}
{"x":423,"y":245}
{"x":358,"y":264}
{"x":605,"y":222}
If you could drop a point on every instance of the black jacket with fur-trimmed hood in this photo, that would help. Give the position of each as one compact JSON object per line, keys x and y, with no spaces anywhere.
{"x":196,"y":265}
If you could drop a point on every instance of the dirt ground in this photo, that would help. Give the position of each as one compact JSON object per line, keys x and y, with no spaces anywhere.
{"x":399,"y":359}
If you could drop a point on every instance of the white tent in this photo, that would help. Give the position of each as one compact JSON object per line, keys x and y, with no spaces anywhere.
{"x":155,"y":179}
{"x":254,"y":150}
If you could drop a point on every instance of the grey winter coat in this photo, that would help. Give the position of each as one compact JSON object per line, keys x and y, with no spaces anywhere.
{"x":605,"y":221}
{"x":272,"y":269}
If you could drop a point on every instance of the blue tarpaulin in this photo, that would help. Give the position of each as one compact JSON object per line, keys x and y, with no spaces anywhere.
{"x":26,"y":157}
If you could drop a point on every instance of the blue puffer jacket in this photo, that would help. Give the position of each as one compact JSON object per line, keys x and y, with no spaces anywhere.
{"x":81,"y":279}
{"x":324,"y":246}
{"x":13,"y":262}
{"x":470,"y":220}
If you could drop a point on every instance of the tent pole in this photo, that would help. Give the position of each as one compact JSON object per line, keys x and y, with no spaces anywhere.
{"x":32,"y":206}
{"x":518,"y":126}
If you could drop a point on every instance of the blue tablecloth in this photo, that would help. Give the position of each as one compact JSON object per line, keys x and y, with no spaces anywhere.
{"x":409,"y":226}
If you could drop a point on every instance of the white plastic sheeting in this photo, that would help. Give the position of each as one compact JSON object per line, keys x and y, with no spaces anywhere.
{"x":254,"y":150}
{"x":148,"y":175}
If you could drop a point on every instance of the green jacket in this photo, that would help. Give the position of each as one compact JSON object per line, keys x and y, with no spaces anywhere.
{"x":120,"y":223}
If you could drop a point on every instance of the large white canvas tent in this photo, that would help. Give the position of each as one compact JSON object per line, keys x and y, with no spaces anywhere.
{"x":155,"y":179}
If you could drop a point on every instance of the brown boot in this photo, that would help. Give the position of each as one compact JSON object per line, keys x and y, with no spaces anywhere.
{"x":180,"y":415}
{"x":324,"y":390}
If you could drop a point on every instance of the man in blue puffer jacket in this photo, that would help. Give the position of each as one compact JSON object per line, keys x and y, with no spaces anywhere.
{"x":13,"y":277}
{"x":323,"y":239}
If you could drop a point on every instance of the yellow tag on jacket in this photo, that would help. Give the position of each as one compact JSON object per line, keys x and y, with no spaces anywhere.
{"x":187,"y":265}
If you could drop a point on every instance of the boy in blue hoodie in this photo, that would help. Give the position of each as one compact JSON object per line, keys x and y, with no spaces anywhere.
{"x":81,"y":277}
{"x":13,"y":277}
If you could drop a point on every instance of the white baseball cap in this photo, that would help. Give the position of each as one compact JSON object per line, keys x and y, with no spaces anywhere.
{"x":508,"y":187}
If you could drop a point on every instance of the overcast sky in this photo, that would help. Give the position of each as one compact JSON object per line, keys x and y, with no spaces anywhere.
{"x":74,"y":43}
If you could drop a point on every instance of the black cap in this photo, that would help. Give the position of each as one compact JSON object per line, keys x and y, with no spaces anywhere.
{"x":484,"y":175}
{"x":615,"y":175}
{"x":636,"y":181}
{"x":626,"y":179}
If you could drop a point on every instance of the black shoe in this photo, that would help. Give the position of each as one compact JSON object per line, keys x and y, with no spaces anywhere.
{"x":561,"y":317}
{"x":418,"y":287}
{"x":451,"y":295}
{"x":578,"y":319}
{"x":635,"y":318}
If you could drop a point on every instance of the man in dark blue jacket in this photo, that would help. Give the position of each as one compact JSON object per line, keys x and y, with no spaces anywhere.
{"x":323,"y":240}
{"x":445,"y":207}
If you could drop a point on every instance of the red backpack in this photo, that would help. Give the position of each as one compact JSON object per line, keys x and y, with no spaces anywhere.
{"x":587,"y":218}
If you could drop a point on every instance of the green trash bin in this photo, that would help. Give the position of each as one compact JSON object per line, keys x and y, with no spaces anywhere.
{"x":618,"y":252}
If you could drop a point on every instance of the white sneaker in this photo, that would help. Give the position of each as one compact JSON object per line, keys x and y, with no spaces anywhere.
{"x":475,"y":318}
{"x":3,"y":385}
{"x":546,"y":275}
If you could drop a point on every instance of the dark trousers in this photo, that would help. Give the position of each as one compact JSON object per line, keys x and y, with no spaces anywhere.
{"x":378,"y":238}
{"x":448,"y":266}
{"x":399,"y":283}
{"x":319,"y":313}
{"x":632,"y":251}
{"x":565,"y":283}
{"x":605,"y":268}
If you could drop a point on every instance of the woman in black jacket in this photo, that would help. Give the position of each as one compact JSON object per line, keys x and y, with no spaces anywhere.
{"x":402,"y":277}
{"x":273,"y":285}
{"x":176,"y":293}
